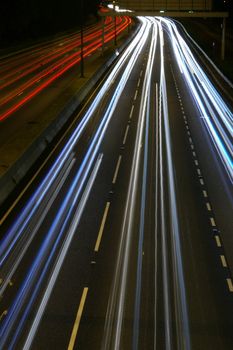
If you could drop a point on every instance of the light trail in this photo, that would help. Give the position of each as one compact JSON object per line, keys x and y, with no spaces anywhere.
{"x":48,"y":76}
{"x":19,"y":310}
{"x":215,"y":113}
{"x":64,"y":224}
{"x":116,"y":304}
{"x":181,"y":311}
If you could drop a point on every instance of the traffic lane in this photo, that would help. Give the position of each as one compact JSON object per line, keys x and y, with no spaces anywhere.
{"x":90,"y":226}
{"x":214,"y":174}
{"x":209,"y":300}
{"x":97,"y":303}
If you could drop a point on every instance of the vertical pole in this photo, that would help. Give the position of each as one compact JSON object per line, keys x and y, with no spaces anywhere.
{"x":115,"y":30}
{"x":103,"y":22}
{"x":82,"y":61}
{"x":223,"y":38}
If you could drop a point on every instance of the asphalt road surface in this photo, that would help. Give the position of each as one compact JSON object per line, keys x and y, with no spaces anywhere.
{"x":120,"y":242}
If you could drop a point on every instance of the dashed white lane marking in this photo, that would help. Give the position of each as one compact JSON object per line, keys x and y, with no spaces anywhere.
{"x":78,"y":319}
{"x":192,"y":147}
{"x":139,"y":82}
{"x":135,"y":95}
{"x":230,"y":285}
{"x":198,"y":171}
{"x":204,"y":193}
{"x":208,"y":206}
{"x":126,"y":134}
{"x":223,"y":260}
{"x":212,"y":221}
{"x":194,"y":154}
{"x":141,"y":73}
{"x":196,"y":162}
{"x":218,"y":242}
{"x":190,"y":140}
{"x":101,"y":230}
{"x":20,"y":93}
{"x":131,"y":112}
{"x":202,"y":182}
{"x":117,"y":169}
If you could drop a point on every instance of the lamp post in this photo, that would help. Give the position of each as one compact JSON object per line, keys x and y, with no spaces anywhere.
{"x":82,"y":61}
{"x":115,"y":26}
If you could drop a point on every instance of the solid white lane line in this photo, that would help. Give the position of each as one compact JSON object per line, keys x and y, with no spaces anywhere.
{"x":223,"y":260}
{"x":218,"y":242}
{"x":212,"y":221}
{"x":78,"y":319}
{"x":101,"y":230}
{"x":126,"y":134}
{"x":135,"y":95}
{"x":230,"y":285}
{"x":117,"y":169}
{"x":208,"y":206}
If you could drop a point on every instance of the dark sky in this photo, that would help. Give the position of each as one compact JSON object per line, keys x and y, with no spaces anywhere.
{"x":30,"y":19}
{"x":21,"y":20}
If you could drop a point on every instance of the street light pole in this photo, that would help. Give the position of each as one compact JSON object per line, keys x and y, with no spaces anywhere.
{"x":115,"y":25}
{"x":82,"y":61}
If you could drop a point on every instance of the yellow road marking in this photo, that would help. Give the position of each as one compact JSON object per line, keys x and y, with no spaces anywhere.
{"x":230,"y":285}
{"x":218,"y":242}
{"x":97,"y":245}
{"x":223,"y":260}
{"x":77,"y":320}
{"x":117,"y":169}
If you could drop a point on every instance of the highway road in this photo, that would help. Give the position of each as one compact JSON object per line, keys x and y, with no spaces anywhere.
{"x":120,"y":241}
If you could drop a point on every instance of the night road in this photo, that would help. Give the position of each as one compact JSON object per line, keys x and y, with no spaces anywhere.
{"x":123,"y":240}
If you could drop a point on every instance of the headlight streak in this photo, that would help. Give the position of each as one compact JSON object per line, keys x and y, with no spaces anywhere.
{"x":181,"y":312}
{"x":33,"y":204}
{"x":32,"y":284}
{"x":207,"y":57}
{"x":12,"y":264}
{"x":216,"y":115}
{"x":137,"y":304}
{"x":115,"y":310}
{"x":63,"y":216}
{"x":62,"y":255}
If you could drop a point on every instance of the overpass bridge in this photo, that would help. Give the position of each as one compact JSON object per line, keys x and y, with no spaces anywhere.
{"x":170,"y":8}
